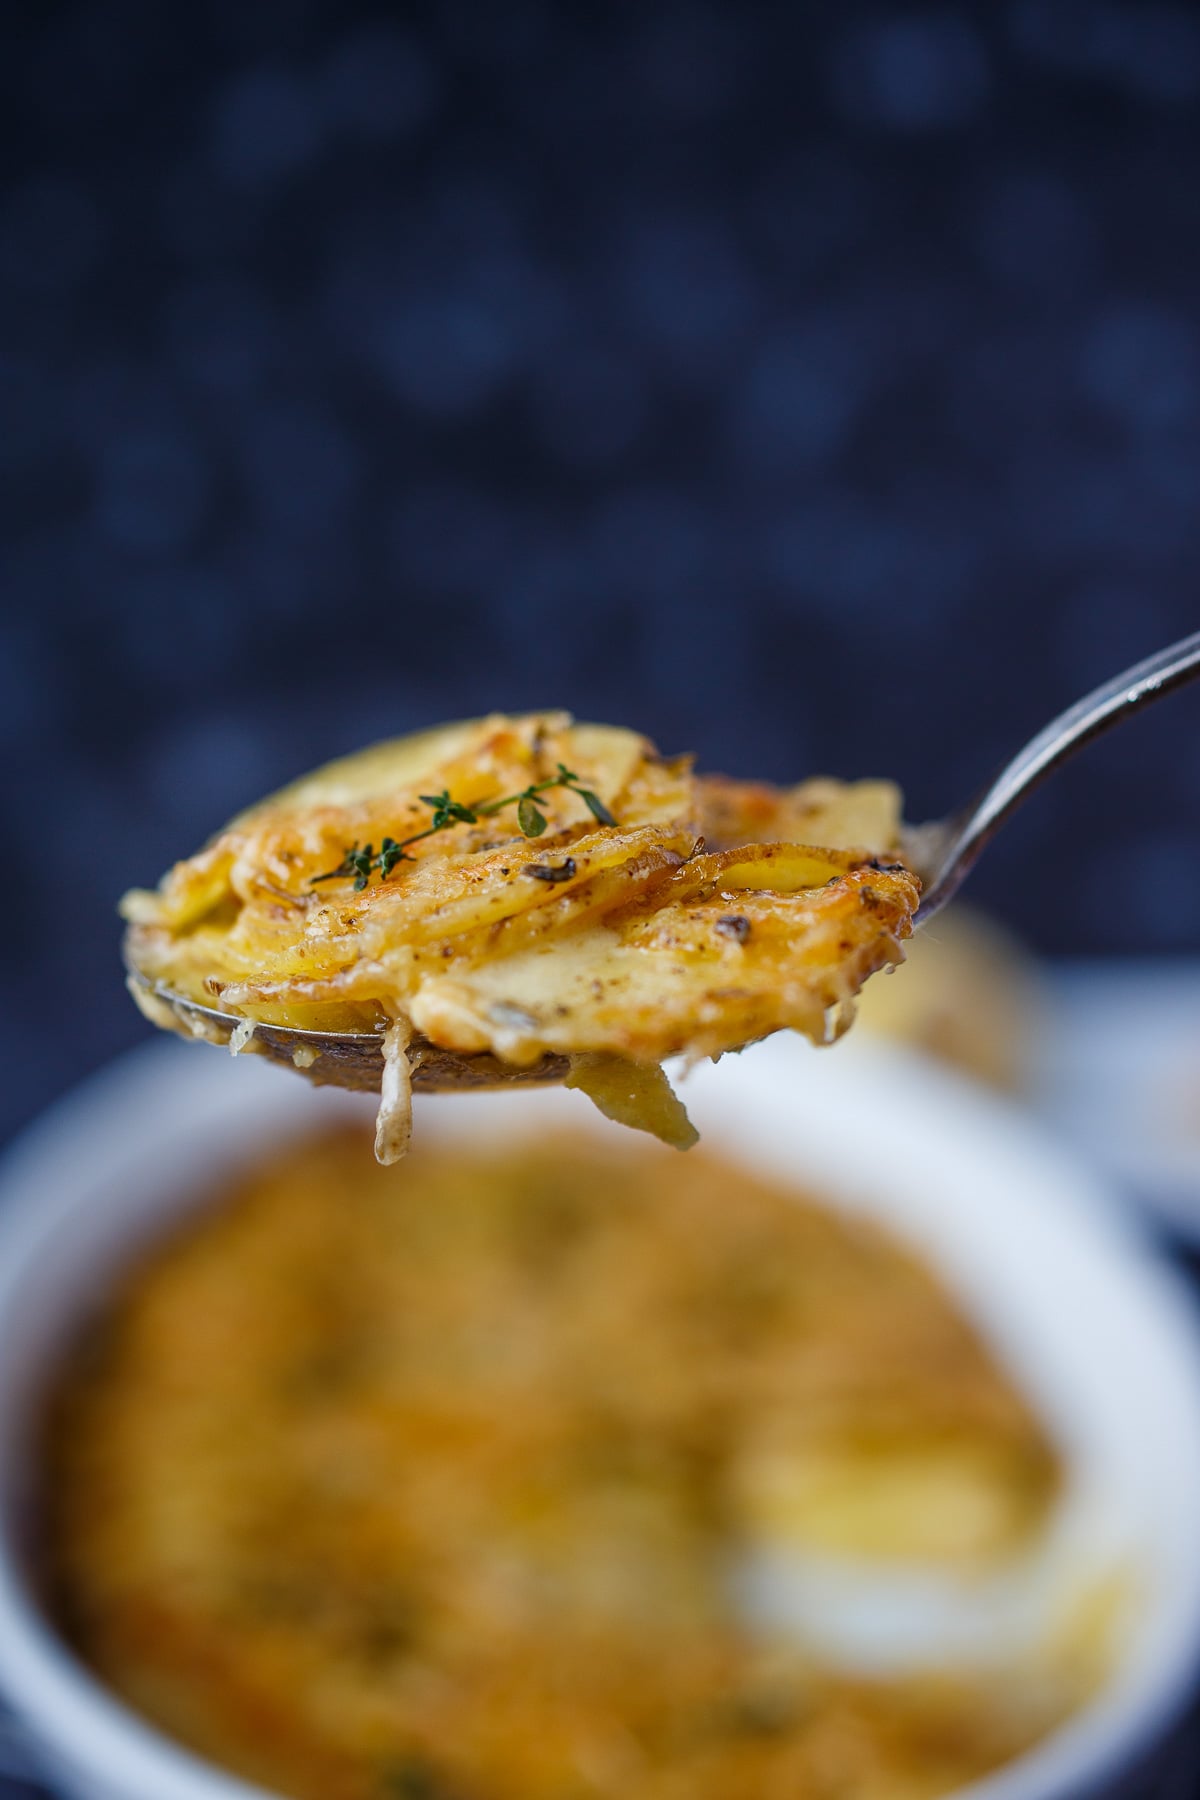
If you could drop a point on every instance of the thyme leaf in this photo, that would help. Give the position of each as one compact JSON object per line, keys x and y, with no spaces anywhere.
{"x":530,"y":816}
{"x":356,"y":862}
{"x":595,"y":806}
{"x":447,"y":811}
{"x":390,"y":853}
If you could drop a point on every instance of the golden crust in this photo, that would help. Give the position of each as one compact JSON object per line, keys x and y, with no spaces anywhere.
{"x":629,"y":939}
{"x":442,"y":1470}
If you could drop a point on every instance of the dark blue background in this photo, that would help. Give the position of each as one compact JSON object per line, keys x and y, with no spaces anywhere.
{"x":816,"y":387}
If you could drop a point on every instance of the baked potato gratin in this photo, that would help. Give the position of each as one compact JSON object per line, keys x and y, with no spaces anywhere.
{"x":525,"y":898}
{"x":434,"y":1483}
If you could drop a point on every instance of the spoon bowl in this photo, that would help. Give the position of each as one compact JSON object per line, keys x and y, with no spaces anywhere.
{"x":345,"y":1059}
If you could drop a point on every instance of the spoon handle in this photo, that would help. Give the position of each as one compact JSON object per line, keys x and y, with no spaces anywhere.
{"x":962,"y":838}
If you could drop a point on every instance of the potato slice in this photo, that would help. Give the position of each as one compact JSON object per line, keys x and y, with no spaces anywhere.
{"x":857,"y":815}
{"x":634,"y":1094}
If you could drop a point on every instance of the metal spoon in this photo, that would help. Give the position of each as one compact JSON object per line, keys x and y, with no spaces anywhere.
{"x":942,"y":853}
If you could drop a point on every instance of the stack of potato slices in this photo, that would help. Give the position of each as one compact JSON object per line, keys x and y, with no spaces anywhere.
{"x":527,"y":897}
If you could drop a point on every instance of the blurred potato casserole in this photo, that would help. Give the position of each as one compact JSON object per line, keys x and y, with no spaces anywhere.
{"x":527,"y":897}
{"x":432,"y":1483}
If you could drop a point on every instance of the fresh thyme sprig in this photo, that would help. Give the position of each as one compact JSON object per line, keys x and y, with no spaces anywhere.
{"x":447,"y":812}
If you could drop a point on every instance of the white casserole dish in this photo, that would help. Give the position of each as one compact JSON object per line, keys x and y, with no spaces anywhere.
{"x":1099,"y":1329}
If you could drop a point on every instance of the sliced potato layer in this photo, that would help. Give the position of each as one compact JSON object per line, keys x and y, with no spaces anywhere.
{"x":585,"y":920}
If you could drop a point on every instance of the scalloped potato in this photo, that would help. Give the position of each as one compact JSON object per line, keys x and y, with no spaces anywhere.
{"x":559,"y":899}
{"x":428,"y":1482}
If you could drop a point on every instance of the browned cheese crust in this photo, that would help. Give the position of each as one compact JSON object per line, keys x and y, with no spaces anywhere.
{"x":377,"y":1484}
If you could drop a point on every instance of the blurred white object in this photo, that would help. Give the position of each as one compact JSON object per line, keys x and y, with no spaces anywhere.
{"x":967,"y":993}
{"x":1099,"y":1330}
{"x":1117,"y":1070}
